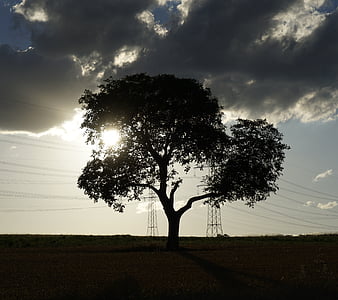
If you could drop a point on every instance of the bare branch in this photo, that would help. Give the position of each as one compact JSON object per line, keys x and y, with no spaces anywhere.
{"x":188,"y":205}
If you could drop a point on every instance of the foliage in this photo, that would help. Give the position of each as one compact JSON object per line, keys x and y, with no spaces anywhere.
{"x":164,"y":122}
{"x":252,"y":166}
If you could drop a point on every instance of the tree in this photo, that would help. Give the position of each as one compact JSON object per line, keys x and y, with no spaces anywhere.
{"x":165,"y":122}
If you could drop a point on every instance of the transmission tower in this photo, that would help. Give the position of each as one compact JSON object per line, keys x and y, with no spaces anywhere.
{"x":152,"y":229}
{"x":214,"y":223}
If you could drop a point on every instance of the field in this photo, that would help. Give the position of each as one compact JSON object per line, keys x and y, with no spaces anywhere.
{"x":126,"y":267}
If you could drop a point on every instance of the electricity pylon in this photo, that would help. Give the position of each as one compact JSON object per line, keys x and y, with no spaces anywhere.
{"x":214,"y":223}
{"x":152,"y":229}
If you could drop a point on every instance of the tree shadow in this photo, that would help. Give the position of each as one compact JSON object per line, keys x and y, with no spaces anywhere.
{"x":239,"y":285}
{"x":230,"y":284}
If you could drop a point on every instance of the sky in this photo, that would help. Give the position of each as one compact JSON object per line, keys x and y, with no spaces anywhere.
{"x":262,"y":59}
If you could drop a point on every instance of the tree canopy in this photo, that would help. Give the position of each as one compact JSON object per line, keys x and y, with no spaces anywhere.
{"x":165,"y":122}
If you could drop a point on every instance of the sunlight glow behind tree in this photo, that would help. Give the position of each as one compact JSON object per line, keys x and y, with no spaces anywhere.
{"x":166,"y":122}
{"x":110,"y":137}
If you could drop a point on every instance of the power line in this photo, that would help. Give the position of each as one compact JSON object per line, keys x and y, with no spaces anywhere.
{"x":308,"y":195}
{"x":275,"y":220}
{"x":41,"y":146}
{"x":307,"y":188}
{"x":38,"y":168}
{"x":298,"y":219}
{"x":39,"y":140}
{"x":10,"y":210}
{"x":299,"y":210}
{"x":45,"y":107}
{"x":307,"y":170}
{"x":35,"y":173}
{"x":291,"y":199}
{"x":5,"y":193}
{"x":7,"y":181}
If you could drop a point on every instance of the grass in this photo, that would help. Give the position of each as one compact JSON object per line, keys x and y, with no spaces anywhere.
{"x":62,"y":267}
{"x":131,"y":242}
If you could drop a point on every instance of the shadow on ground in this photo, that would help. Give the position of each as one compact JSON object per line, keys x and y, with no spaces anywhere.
{"x":238,"y":285}
{"x":230,"y":285}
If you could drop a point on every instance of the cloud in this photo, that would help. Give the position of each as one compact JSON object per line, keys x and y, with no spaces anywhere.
{"x":299,"y":21}
{"x":148,"y":18}
{"x":310,"y":203}
{"x":37,"y":92}
{"x":323,"y":175}
{"x":328,"y":205}
{"x":233,"y":43}
{"x":143,"y":207}
{"x":82,"y":28}
{"x":273,"y":59}
{"x":72,"y":46}
{"x":33,"y":13}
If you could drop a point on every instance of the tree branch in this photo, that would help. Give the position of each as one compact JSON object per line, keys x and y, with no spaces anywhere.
{"x":148,"y":145}
{"x":188,"y":205}
{"x":174,"y":189}
{"x":145,"y":185}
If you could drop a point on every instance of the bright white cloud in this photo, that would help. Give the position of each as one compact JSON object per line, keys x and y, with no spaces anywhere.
{"x":18,"y":132}
{"x":88,"y":64}
{"x":310,"y":203}
{"x":162,"y":2}
{"x":299,"y":21}
{"x":314,"y":107}
{"x":184,"y":8}
{"x":30,"y":48}
{"x":311,"y":107}
{"x":232,"y":115}
{"x":323,"y":175}
{"x":328,"y":205}
{"x":69,"y":130}
{"x":143,"y":207}
{"x":126,"y":55}
{"x":36,"y":14}
{"x":148,"y":18}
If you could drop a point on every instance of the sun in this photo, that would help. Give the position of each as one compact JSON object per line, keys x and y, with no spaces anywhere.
{"x":110,"y":137}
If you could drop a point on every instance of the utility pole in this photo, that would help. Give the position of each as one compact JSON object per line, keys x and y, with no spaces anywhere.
{"x":152,"y":229}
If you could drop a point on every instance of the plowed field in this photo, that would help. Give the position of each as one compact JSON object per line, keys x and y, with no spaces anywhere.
{"x":234,"y":269}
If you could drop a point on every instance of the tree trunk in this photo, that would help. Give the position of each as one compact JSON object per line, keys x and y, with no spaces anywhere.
{"x":173,"y":230}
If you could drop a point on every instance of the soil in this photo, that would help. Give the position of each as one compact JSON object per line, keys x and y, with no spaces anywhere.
{"x":232,"y":270}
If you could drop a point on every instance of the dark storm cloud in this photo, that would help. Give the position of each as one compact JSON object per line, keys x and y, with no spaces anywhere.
{"x":229,"y":44}
{"x":36,"y":93}
{"x":81,"y":27}
{"x":40,"y":87}
{"x":218,"y":36}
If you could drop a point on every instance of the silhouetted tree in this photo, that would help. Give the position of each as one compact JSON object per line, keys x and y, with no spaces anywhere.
{"x":165,"y":122}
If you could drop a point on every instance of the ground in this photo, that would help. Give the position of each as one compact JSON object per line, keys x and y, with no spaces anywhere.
{"x":126,"y":267}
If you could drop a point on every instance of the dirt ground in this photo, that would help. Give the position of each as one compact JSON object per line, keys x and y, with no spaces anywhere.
{"x":262,"y":270}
